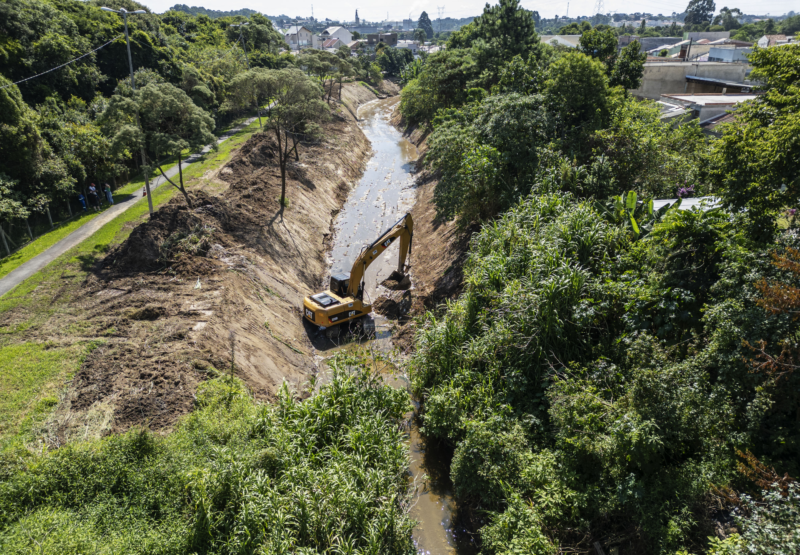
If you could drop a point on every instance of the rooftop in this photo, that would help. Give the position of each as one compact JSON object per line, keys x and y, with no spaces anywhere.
{"x":711,"y":99}
{"x":703,"y":203}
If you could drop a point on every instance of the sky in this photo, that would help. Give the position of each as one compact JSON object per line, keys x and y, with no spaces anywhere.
{"x":376,"y":10}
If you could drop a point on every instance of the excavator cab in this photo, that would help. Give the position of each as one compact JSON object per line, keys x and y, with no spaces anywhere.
{"x":339,"y":284}
{"x":344,"y":299}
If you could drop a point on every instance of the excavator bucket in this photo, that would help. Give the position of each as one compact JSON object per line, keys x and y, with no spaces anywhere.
{"x":397,"y":281}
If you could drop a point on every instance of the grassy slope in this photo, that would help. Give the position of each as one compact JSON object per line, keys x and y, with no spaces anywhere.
{"x":34,"y":372}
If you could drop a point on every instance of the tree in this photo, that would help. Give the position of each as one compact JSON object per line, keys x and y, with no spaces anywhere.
{"x":393,"y":60}
{"x":26,"y":158}
{"x":506,"y":28}
{"x":729,"y":19}
{"x":699,"y":12}
{"x":755,"y":160}
{"x":420,"y":35}
{"x":322,"y":65}
{"x":296,"y":111}
{"x":249,"y":87}
{"x":169,"y":124}
{"x":425,"y":24}
{"x":600,"y":45}
{"x":629,"y":67}
{"x":576,"y":91}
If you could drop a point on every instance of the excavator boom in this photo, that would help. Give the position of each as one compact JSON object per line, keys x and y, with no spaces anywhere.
{"x":344,"y":299}
{"x":404,"y":230}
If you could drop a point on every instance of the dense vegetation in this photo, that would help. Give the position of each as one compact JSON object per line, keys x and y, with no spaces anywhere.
{"x":56,"y":132}
{"x":322,"y":476}
{"x":611,"y":373}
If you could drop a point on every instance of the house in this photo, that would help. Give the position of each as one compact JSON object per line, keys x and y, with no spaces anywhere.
{"x":412,"y":45}
{"x":337,"y":32}
{"x":708,"y":106}
{"x":671,"y":77}
{"x":299,"y":37}
{"x":770,"y":40}
{"x":389,"y":39}
{"x":334,"y":43}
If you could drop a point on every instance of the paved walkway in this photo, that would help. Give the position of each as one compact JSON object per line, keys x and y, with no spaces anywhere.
{"x":32,"y":266}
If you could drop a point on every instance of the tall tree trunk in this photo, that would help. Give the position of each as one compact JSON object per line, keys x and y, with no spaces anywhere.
{"x":282,"y":156}
{"x":294,"y":147}
{"x":182,"y":188}
{"x":28,"y":225}
{"x":69,"y":208}
{"x":49,"y":218}
{"x":283,"y":182}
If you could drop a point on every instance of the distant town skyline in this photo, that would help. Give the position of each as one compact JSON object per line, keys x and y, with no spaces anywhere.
{"x":372,"y":10}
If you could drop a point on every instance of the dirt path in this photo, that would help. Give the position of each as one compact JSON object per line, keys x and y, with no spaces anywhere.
{"x":35,"y":264}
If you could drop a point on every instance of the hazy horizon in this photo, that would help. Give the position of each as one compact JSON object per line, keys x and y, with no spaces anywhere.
{"x":377,"y":11}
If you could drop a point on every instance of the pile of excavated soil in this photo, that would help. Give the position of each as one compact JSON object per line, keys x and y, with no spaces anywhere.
{"x":192,"y":292}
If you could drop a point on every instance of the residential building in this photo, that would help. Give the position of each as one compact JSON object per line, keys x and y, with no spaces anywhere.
{"x":412,"y":45}
{"x":337,"y":32}
{"x":671,"y":77}
{"x":333,"y":43}
{"x":389,"y":39}
{"x":770,"y":40}
{"x":299,"y":37}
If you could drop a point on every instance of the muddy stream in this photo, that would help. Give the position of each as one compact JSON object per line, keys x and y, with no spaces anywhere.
{"x":385,"y":194}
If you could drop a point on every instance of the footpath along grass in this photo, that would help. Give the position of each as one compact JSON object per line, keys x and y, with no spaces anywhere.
{"x":134,"y":187}
{"x":34,"y":372}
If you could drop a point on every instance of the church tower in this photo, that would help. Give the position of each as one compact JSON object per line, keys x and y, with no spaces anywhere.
{"x":357,"y":20}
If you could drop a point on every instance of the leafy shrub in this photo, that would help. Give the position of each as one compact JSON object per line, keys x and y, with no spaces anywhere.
{"x":323,"y":475}
{"x":773,"y":524}
{"x":568,"y":417}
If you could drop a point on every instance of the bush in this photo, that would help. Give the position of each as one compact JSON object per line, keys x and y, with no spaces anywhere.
{"x":323,"y":475}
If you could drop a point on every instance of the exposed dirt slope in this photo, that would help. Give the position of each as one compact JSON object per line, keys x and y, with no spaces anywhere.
{"x":190,"y":287}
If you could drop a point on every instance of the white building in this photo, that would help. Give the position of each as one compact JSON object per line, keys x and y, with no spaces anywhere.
{"x":337,"y":33}
{"x":299,"y":37}
{"x":412,"y":45}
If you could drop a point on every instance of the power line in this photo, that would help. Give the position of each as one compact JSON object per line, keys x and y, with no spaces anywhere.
{"x":62,"y":65}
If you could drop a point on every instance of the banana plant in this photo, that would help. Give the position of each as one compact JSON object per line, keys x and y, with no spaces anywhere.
{"x":639,"y":214}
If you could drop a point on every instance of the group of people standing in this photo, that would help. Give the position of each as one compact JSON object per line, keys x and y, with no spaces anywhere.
{"x":94,"y":197}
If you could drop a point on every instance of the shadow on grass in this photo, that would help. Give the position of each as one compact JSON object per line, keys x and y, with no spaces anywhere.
{"x":88,"y":262}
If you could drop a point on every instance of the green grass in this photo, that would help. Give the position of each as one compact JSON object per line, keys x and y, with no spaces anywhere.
{"x":44,"y":242}
{"x":32,"y":373}
{"x":31,"y":378}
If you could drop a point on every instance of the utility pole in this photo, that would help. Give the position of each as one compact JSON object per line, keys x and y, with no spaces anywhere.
{"x":124,"y":13}
{"x":246,"y":61}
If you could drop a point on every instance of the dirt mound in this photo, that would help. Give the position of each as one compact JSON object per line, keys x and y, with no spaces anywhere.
{"x":397,"y":281}
{"x":190,"y":285}
{"x":393,"y":305}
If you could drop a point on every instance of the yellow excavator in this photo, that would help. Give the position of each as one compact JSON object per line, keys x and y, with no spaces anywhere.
{"x":344,"y":299}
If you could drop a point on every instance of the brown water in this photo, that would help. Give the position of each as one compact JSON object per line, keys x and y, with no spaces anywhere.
{"x":384,"y":195}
